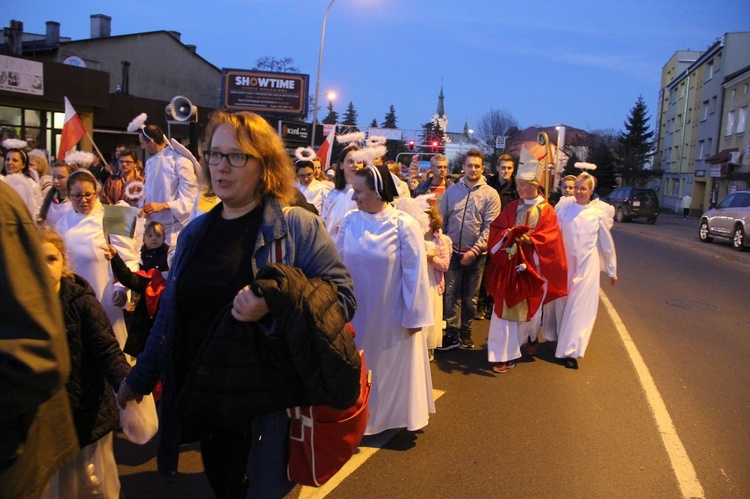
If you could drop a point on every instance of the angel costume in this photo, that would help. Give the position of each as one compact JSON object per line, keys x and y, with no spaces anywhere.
{"x":385,"y":254}
{"x":171,"y":179}
{"x":336,"y":205}
{"x":589,"y":248}
{"x":28,"y":189}
{"x":519,"y":294}
{"x":84,"y":237}
{"x":315,"y":193}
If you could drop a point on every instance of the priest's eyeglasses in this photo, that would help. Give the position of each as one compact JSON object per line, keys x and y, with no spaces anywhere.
{"x":235,"y":159}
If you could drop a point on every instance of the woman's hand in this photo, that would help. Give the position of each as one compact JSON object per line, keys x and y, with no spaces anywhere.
{"x":247,"y":307}
{"x":109,"y":251}
{"x":119,"y":298}
{"x":613,"y":280}
{"x":125,"y":395}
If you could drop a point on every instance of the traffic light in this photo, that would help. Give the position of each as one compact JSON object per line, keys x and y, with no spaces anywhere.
{"x":435,"y":145}
{"x":411,"y":145}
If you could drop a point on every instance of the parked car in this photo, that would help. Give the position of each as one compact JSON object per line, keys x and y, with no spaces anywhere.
{"x":729,"y":220}
{"x":634,"y":202}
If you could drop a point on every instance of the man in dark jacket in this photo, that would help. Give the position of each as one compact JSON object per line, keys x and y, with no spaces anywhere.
{"x":437,"y":181}
{"x":36,"y":427}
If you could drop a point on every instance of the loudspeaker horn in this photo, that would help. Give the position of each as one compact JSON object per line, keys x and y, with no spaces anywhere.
{"x":181,"y":109}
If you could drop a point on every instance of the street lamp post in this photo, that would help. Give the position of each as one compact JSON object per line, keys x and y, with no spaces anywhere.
{"x":317,"y":81}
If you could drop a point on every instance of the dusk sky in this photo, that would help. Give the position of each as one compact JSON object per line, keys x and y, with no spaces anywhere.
{"x":581,"y":63}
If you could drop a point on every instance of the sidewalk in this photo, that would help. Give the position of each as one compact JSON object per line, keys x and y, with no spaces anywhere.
{"x":672,"y":227}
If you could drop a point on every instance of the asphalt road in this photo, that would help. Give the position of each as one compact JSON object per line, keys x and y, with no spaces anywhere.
{"x":541,"y":430}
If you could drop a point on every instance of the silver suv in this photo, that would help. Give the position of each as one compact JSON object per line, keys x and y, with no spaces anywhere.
{"x":729,"y":220}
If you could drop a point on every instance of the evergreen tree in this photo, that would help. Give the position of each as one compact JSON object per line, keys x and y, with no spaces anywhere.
{"x":606,"y":167}
{"x":635,"y":143}
{"x":350,"y":117}
{"x":432,"y":130}
{"x":390,"y":119}
{"x":333,"y":117}
{"x":374,"y":123}
{"x":570,"y":168}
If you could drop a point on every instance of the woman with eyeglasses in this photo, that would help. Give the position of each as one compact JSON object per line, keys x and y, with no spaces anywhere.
{"x":218,"y":256}
{"x":83,"y":231}
{"x":127,"y":184}
{"x":313,"y":189}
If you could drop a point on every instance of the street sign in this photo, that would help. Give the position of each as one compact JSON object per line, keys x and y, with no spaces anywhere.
{"x":500,"y":142}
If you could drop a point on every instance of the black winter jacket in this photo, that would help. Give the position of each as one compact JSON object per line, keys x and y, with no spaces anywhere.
{"x":95,"y":358}
{"x":304,"y":356}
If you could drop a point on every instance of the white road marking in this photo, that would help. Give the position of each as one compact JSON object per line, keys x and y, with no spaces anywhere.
{"x":683,"y":467}
{"x":374,"y":444}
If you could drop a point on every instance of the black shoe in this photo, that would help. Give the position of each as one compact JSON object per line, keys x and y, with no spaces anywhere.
{"x":570,"y":363}
{"x":466,"y":341}
{"x":531,"y":346}
{"x":450,"y":342}
{"x":479,"y":314}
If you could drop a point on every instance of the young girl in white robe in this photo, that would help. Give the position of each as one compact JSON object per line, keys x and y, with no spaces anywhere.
{"x":585,"y":226}
{"x":82,"y":229}
{"x":339,"y":200}
{"x":438,"y":247}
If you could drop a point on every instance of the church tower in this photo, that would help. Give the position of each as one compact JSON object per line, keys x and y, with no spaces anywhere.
{"x":440,"y":118}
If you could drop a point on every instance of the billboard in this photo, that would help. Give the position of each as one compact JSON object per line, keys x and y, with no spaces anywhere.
{"x":265,"y":92}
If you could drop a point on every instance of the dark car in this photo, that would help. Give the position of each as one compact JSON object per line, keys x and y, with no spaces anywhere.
{"x":634,"y":202}
{"x":729,"y":220}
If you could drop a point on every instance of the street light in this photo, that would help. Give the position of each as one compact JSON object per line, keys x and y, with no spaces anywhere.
{"x":317,"y":81}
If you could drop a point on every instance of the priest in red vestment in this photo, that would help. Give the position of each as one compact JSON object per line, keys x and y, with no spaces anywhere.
{"x":527,"y":267}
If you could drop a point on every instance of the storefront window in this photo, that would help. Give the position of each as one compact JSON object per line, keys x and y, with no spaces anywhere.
{"x":31,"y":125}
{"x":10,"y":115}
{"x":32,"y":118}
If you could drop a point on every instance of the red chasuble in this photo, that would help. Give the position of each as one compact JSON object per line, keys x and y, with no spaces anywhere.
{"x":515,"y":291}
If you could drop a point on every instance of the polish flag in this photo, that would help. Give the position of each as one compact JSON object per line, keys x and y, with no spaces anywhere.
{"x":72,"y":131}
{"x":324,"y":152}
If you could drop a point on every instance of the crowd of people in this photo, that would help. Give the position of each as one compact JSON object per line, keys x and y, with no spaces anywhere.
{"x":405,"y":259}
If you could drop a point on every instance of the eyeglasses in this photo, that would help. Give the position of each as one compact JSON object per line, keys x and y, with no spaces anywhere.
{"x":235,"y":159}
{"x":78,"y":197}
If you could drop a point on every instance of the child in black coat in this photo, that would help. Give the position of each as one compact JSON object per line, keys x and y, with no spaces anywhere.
{"x":98,"y":366}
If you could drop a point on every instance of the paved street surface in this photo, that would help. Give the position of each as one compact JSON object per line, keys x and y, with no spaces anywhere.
{"x":659,"y":406}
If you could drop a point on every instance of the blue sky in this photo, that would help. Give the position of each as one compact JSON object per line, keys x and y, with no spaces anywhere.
{"x":582,"y":63}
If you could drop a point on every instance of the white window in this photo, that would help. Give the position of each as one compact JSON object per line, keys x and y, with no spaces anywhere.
{"x":730,"y":124}
{"x":742,"y":120}
{"x":709,"y":71}
{"x":704,"y":110}
{"x":701,"y":146}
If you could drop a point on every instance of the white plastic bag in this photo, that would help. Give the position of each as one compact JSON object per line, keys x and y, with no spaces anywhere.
{"x":139,"y":421}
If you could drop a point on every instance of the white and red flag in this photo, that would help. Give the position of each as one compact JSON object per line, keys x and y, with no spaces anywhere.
{"x":324,"y":153}
{"x":72,"y":132}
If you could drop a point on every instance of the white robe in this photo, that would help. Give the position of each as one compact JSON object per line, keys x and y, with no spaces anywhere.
{"x":57,"y":211}
{"x":315,"y":193}
{"x":28,"y":189}
{"x":84,"y":236}
{"x":386,"y":257}
{"x":589,"y":249}
{"x":171,"y":179}
{"x":336,"y":206}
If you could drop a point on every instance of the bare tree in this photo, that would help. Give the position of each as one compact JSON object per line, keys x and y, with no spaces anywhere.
{"x":492,"y":124}
{"x":268,"y":63}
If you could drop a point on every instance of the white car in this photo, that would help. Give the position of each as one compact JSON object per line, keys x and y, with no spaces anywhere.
{"x":729,"y":220}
